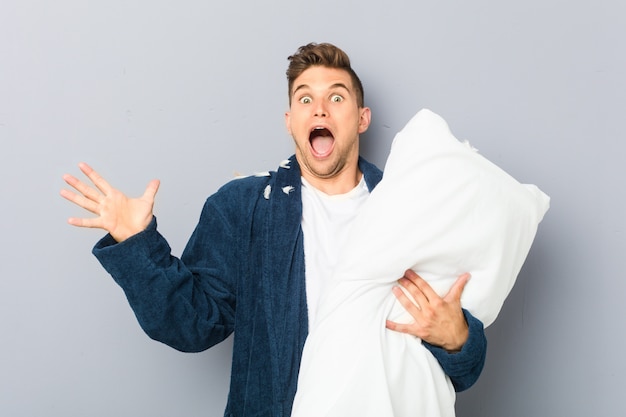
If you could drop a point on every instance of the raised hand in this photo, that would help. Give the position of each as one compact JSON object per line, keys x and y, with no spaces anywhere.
{"x":116,"y":213}
{"x":438,"y":320}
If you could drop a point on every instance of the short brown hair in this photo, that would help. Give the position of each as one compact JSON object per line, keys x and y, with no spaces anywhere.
{"x":323,"y":55}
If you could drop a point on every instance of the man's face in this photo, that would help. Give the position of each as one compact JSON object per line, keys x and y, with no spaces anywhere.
{"x":325,"y":122}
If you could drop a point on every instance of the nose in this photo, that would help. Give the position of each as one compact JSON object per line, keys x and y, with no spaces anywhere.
{"x":321,"y":110}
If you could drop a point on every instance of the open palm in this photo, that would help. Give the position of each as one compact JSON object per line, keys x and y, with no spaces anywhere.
{"x":116,"y":213}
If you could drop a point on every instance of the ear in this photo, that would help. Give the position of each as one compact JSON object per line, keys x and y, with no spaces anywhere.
{"x":365,"y":119}
{"x":288,"y":121}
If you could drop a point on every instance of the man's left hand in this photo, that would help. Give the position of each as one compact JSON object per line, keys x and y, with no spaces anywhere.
{"x":437,"y":320}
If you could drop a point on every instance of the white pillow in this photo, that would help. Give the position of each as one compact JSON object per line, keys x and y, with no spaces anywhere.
{"x":454,"y":211}
{"x":441,"y":209}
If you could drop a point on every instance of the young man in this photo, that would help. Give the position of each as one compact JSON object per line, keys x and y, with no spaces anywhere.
{"x":254,"y":264}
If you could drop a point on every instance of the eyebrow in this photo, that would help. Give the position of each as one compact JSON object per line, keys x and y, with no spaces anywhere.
{"x":336,"y":85}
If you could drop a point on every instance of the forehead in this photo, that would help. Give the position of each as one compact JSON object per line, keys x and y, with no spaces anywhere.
{"x":319,"y":77}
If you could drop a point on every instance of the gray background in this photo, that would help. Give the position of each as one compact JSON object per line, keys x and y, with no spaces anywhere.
{"x":192,"y":92}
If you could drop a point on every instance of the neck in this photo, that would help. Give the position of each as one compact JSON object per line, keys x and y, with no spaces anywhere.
{"x":339,"y":184}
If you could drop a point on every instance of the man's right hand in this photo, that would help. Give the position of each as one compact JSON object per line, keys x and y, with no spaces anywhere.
{"x":119,"y":215}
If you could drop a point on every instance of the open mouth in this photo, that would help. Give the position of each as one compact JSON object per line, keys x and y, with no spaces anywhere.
{"x":322,"y":141}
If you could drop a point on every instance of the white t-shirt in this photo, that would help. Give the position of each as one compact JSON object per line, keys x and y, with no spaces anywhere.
{"x":326,"y":220}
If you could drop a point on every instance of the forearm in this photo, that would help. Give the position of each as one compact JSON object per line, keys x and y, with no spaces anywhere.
{"x":172,"y":304}
{"x":465,"y":366}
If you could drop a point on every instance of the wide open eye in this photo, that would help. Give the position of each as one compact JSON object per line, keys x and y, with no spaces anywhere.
{"x":305,"y":100}
{"x":336,"y":98}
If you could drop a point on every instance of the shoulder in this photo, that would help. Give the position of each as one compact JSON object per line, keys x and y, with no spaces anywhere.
{"x":371,"y":172}
{"x":239,"y":195}
{"x":245,"y":185}
{"x":243,"y":193}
